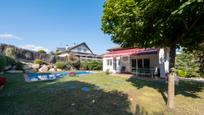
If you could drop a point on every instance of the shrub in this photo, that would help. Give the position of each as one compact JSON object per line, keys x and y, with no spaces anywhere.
{"x":107,"y":72}
{"x":60,"y":64}
{"x":84,"y":65}
{"x":3,"y":62}
{"x":19,"y":66}
{"x":95,"y":65}
{"x":10,"y":61}
{"x":72,"y":74}
{"x":91,"y":65}
{"x":182,"y":73}
{"x":38,"y":61}
{"x":3,"y":81}
{"x":42,"y":51}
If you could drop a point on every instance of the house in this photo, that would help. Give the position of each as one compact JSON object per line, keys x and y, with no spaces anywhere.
{"x":80,"y":50}
{"x":139,"y":61}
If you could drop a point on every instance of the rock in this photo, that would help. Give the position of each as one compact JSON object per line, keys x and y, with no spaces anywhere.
{"x":52,"y":69}
{"x":31,"y":71}
{"x":15,"y":71}
{"x":30,"y":56}
{"x":59,"y":69}
{"x":27,"y":67}
{"x":35,"y":66}
{"x":44,"y":68}
{"x":8,"y":67}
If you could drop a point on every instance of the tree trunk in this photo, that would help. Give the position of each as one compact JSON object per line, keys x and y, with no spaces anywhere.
{"x":171,"y":77}
{"x":172,"y":56}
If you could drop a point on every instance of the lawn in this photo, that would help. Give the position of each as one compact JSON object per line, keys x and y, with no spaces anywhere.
{"x":97,"y":94}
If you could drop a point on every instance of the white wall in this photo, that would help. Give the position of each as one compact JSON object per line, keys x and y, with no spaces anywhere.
{"x":106,"y":66}
{"x":164,"y":61}
{"x":159,"y":61}
{"x":82,"y":48}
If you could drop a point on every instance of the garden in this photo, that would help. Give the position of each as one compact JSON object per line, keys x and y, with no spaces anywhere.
{"x":99,"y":94}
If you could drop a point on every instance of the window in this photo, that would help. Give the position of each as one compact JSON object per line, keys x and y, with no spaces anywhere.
{"x":109,"y":62}
{"x":146,"y":63}
{"x":78,"y":49}
{"x":139,"y":63}
{"x":85,"y":50}
{"x":133,"y":62}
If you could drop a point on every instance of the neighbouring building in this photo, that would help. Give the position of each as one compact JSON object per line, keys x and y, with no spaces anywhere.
{"x":80,"y":50}
{"x":139,"y":61}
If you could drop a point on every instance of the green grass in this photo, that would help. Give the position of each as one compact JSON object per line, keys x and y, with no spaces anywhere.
{"x":109,"y":95}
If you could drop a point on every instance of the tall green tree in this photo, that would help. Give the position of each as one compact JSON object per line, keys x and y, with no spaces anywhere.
{"x":155,"y":23}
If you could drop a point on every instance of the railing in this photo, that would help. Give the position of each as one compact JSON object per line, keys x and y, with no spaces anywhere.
{"x":149,"y":72}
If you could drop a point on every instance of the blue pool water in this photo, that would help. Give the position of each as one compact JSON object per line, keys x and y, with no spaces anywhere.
{"x":50,"y":76}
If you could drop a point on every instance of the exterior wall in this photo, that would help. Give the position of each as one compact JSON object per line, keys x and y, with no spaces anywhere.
{"x":157,"y":61}
{"x":154,"y":60}
{"x":164,"y":61}
{"x":63,"y":55}
{"x":106,"y":66}
{"x":82,"y":49}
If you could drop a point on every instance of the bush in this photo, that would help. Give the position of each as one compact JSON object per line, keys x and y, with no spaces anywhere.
{"x":182,"y":73}
{"x":60,"y":65}
{"x":10,"y":61}
{"x":92,"y":65}
{"x":38,"y":61}
{"x":3,"y":81}
{"x":19,"y":66}
{"x":42,"y":51}
{"x":3,"y":62}
{"x":72,"y":74}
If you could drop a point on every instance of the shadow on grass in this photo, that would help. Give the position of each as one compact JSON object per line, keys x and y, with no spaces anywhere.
{"x":142,"y":111}
{"x":64,"y":98}
{"x":188,"y":89}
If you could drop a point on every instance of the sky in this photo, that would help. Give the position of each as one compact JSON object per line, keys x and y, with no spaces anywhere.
{"x":47,"y":24}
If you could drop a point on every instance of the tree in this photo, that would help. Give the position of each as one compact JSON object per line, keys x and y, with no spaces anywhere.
{"x":2,"y":62}
{"x":10,"y":52}
{"x":187,"y":65}
{"x":155,"y":23}
{"x":42,"y":51}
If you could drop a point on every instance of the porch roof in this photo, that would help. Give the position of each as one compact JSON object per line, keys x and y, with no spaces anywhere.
{"x":132,"y":52}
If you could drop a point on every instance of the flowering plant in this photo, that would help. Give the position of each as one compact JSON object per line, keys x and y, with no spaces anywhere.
{"x":3,"y":81}
{"x":72,"y":74}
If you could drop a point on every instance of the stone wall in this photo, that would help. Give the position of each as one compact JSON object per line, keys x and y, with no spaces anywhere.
{"x":28,"y":55}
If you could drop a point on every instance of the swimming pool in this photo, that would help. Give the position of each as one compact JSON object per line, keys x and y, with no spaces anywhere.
{"x":30,"y":77}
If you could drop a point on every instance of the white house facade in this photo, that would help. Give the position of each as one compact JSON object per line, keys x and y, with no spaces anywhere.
{"x":80,"y":50}
{"x":149,"y":61}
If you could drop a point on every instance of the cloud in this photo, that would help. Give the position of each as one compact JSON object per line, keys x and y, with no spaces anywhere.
{"x":34,"y":47}
{"x":7,"y":36}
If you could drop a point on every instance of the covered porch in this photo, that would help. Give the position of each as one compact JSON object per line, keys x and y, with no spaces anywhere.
{"x":140,"y":62}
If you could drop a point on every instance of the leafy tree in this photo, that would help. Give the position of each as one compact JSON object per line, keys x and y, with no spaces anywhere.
{"x":42,"y":51}
{"x":199,"y":54}
{"x":73,"y":61}
{"x":2,"y":62}
{"x":10,"y":52}
{"x":187,"y":65}
{"x":155,"y":23}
